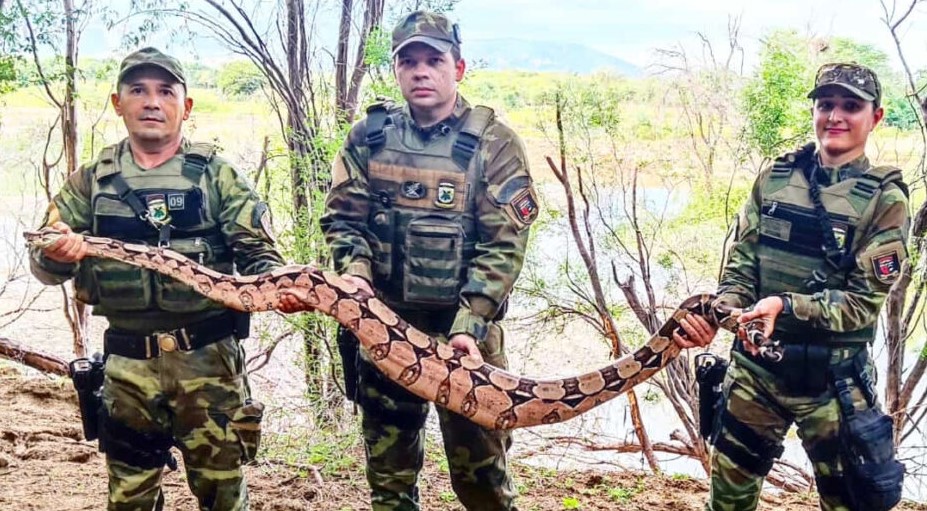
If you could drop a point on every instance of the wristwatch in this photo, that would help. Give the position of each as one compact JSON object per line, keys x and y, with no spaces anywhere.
{"x":786,"y":304}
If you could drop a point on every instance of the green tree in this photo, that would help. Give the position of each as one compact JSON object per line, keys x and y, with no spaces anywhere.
{"x":239,"y":78}
{"x":773,"y":99}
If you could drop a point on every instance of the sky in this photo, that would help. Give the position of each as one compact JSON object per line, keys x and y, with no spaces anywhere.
{"x":632,"y":30}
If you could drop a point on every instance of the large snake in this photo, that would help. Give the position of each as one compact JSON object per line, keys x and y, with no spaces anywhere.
{"x":487,"y":395}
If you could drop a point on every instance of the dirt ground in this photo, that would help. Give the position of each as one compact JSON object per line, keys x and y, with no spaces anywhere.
{"x":44,"y":465}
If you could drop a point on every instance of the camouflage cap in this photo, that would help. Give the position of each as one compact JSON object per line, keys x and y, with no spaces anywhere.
{"x":430,"y":28}
{"x":151,"y":57}
{"x":854,"y":78}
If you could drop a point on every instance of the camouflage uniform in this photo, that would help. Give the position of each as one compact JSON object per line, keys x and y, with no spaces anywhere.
{"x":441,"y":235}
{"x":827,"y":320}
{"x":184,"y":385}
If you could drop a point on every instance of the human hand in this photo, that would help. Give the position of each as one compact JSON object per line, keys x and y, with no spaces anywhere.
{"x":698,"y":332}
{"x":70,"y":248}
{"x":290,"y":303}
{"x":765,"y":311}
{"x":467,"y":344}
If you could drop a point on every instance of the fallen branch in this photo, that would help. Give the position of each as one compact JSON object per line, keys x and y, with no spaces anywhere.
{"x":49,"y":364}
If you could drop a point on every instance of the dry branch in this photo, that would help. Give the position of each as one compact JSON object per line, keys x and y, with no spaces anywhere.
{"x":49,"y":364}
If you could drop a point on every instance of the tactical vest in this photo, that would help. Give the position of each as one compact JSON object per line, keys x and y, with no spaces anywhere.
{"x":423,"y":200}
{"x":791,"y":239}
{"x":182,"y":192}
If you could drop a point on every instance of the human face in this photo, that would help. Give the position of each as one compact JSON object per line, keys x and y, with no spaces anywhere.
{"x":842,"y":123}
{"x":153,"y":106}
{"x":428,"y":81}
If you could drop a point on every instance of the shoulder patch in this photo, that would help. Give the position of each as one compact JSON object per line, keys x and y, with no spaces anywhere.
{"x":260,"y":217}
{"x":523,"y":208}
{"x":887,"y":266}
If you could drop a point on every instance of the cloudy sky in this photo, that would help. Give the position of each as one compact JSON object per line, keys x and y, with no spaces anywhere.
{"x":633,"y":29}
{"x":630,"y":29}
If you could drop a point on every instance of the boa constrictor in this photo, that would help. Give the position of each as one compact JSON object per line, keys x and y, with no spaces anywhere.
{"x":487,"y":395}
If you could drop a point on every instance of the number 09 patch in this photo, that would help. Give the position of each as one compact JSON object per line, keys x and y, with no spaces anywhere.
{"x":523,"y":208}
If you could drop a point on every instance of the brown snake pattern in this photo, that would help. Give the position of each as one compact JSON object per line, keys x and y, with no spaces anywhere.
{"x":487,"y":395}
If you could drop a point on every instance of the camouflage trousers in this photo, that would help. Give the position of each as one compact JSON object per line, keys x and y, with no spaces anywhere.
{"x":760,"y":401}
{"x":393,"y":427}
{"x":198,"y":401}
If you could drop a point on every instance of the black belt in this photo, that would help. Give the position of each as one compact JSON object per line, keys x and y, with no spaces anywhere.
{"x":188,"y":338}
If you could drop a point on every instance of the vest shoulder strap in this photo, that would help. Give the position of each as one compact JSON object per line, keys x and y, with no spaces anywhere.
{"x":783,"y":166}
{"x":470,"y":134}
{"x":106,"y":164}
{"x":196,"y":159}
{"x":377,"y":115}
{"x":877,"y":178}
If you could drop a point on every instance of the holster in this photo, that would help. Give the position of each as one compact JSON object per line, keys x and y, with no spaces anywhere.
{"x":873,"y":478}
{"x":348,"y":347}
{"x":710,"y":370}
{"x":87,"y":376}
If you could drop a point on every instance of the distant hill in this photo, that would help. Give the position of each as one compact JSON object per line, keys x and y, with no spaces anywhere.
{"x":544,"y":56}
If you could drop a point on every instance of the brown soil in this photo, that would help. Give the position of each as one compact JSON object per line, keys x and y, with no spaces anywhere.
{"x":44,"y":465}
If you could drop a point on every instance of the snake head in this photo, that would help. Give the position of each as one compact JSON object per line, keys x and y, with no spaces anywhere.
{"x":43,"y":238}
{"x":769,"y":349}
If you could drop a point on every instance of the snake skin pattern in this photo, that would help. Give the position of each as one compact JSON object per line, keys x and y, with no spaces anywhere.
{"x":488,"y":396}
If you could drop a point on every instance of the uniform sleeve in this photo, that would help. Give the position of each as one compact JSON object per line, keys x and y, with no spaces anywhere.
{"x":879,"y":257}
{"x":740,"y":270}
{"x":245,"y":223}
{"x":72,"y":206}
{"x":503,"y":216}
{"x":347,"y":208}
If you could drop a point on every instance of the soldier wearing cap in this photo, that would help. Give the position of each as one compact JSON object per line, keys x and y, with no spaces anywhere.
{"x":174,"y":373}
{"x":813,"y":253}
{"x":430,"y":207}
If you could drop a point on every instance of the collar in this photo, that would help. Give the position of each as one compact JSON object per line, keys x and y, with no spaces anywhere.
{"x":848,"y":170}
{"x":461,"y":108}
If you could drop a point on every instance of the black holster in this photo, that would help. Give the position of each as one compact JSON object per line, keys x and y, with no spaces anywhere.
{"x":873,"y":478}
{"x":709,"y":373}
{"x":242,"y":324}
{"x":348,"y":347}
{"x":87,"y":376}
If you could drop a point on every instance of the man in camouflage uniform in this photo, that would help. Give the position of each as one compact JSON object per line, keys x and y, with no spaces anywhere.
{"x":815,"y":250}
{"x":174,"y":372}
{"x":430,"y":206}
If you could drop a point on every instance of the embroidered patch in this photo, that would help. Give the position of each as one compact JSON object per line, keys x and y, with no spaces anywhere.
{"x":775,"y":228}
{"x":157,"y":209}
{"x":886,"y":266}
{"x":175,"y":201}
{"x":414,"y":190}
{"x":840,"y":234}
{"x":525,"y":207}
{"x":446,"y":193}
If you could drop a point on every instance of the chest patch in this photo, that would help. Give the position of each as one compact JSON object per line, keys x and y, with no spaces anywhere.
{"x":413,"y":190}
{"x":158,"y":208}
{"x":175,"y":201}
{"x":775,"y":228}
{"x":446,"y":194}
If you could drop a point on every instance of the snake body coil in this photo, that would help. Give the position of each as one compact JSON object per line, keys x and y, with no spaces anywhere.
{"x":487,"y":395}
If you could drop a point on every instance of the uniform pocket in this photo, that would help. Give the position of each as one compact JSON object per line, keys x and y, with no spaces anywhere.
{"x":119,"y":286}
{"x":493,"y":347}
{"x":245,"y":424}
{"x":433,"y":259}
{"x":175,"y":296}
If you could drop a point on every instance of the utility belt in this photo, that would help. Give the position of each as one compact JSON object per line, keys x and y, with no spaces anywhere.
{"x":188,"y":338}
{"x":803,"y":368}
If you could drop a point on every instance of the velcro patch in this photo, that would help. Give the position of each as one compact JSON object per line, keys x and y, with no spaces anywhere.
{"x":775,"y":228}
{"x":886,"y":266}
{"x":524,"y":207}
